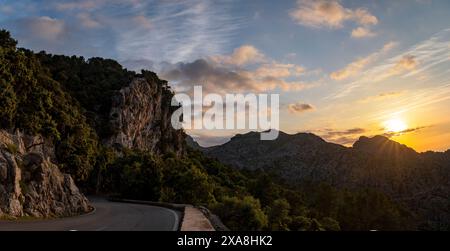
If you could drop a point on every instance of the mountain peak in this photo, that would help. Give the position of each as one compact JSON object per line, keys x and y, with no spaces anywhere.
{"x":382,"y":145}
{"x":252,"y":134}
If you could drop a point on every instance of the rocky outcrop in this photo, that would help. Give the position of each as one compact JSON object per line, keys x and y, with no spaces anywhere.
{"x":140,"y":118}
{"x":31,"y":184}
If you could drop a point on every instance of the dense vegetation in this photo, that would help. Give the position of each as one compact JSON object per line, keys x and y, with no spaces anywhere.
{"x":33,"y":102}
{"x":66,"y":99}
{"x":252,"y":201}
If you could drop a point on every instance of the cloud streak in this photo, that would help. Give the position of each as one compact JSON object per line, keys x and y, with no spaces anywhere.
{"x":382,"y":96}
{"x":180,"y":32}
{"x":424,"y":56}
{"x":409,"y":130}
{"x":343,"y":137}
{"x":356,"y":67}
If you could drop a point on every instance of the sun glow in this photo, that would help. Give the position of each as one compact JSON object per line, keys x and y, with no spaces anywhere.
{"x":395,"y":125}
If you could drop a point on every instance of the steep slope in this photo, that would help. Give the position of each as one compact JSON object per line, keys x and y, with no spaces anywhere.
{"x":30,"y":184}
{"x":190,"y":142}
{"x":127,"y":110}
{"x":140,"y":119}
{"x":90,"y":111}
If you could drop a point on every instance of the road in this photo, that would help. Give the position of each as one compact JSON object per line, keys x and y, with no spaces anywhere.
{"x":108,"y":216}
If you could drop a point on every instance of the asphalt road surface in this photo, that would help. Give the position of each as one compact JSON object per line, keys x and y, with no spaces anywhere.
{"x":108,"y":216}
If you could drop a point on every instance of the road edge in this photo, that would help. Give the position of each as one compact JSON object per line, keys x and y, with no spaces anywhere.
{"x":192,"y":218}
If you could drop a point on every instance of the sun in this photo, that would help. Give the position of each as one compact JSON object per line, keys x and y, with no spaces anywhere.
{"x":395,"y":125}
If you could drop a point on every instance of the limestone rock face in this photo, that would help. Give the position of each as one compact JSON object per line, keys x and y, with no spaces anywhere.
{"x":140,"y":118}
{"x":31,"y":184}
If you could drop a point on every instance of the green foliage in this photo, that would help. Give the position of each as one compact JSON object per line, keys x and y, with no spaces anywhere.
{"x":264,"y":188}
{"x":369,"y":209}
{"x":8,"y":101}
{"x":6,"y":41}
{"x":93,"y":83}
{"x":241,"y":213}
{"x":188,"y":182}
{"x":279,"y":215}
{"x":36,"y":104}
{"x":300,"y":223}
{"x":330,"y":224}
{"x":140,"y":176}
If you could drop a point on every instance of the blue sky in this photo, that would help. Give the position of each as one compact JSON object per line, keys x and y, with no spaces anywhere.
{"x":343,"y":68}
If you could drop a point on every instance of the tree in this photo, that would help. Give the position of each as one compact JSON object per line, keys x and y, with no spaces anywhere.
{"x":368,"y":209}
{"x":278,"y":214}
{"x":241,"y":214}
{"x":139,"y":176}
{"x":330,"y":224}
{"x":187,"y":182}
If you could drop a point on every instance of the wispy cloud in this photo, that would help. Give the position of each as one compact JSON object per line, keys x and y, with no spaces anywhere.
{"x":88,"y":21}
{"x":409,"y":130}
{"x":421,"y":57}
{"x":362,"y":32}
{"x":43,"y":28}
{"x":180,"y":32}
{"x":243,"y":55}
{"x":300,"y":107}
{"x":331,"y":14}
{"x":91,"y":5}
{"x":356,"y":67}
{"x":382,"y":96}
{"x":343,"y":137}
{"x":417,"y":99}
{"x":406,"y":63}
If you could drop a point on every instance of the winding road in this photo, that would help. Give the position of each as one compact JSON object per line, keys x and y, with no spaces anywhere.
{"x":108,"y":216}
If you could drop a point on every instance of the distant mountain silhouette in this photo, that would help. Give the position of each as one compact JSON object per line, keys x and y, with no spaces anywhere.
{"x":420,"y":180}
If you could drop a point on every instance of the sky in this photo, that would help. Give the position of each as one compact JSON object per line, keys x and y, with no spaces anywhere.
{"x":343,"y":69}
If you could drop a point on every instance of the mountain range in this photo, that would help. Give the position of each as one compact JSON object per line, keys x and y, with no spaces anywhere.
{"x":419,"y":180}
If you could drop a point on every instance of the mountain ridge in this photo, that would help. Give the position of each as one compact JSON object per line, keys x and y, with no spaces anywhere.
{"x":376,"y":162}
{"x":192,"y":141}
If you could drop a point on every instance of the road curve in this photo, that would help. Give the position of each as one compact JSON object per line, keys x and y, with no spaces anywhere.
{"x":108,"y":216}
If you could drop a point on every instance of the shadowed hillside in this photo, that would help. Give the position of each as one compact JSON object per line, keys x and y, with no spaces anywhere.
{"x":417,"y":180}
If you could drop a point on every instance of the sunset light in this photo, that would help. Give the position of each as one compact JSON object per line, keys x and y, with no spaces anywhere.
{"x":395,"y":125}
{"x":225,"y":117}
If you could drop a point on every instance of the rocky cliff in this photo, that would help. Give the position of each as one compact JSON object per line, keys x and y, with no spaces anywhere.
{"x":140,"y":119}
{"x":31,"y":184}
{"x":76,"y":104}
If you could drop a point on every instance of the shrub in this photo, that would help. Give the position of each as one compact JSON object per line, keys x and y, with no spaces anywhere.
{"x":241,"y":214}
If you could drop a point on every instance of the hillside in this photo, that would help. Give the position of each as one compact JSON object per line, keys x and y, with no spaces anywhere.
{"x":417,"y":180}
{"x":88,"y":113}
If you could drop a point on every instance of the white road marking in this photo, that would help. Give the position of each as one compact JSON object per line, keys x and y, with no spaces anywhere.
{"x":175,"y":225}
